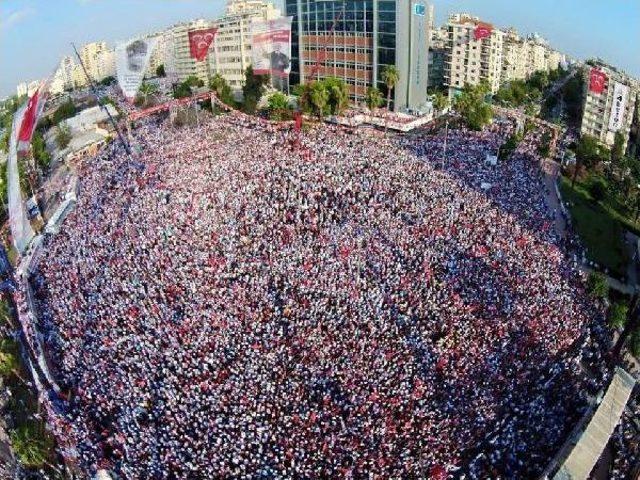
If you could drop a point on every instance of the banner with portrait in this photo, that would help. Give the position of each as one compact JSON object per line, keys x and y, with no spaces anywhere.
{"x":271,"y":47}
{"x":132,"y":60}
{"x":618,"y":106}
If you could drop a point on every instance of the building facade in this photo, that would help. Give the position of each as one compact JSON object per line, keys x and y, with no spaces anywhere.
{"x":599,"y":107}
{"x":356,"y":39}
{"x":230,"y":52}
{"x":99,"y":60}
{"x":470,"y":60}
{"x":182,"y":65}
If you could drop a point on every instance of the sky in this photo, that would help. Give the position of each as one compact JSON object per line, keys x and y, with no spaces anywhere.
{"x":35,"y":34}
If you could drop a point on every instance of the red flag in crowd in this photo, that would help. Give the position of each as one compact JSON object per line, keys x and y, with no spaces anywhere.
{"x":438,"y":472}
{"x":482,"y":31}
{"x":597,"y":79}
{"x":200,"y":41}
{"x":30,"y":118}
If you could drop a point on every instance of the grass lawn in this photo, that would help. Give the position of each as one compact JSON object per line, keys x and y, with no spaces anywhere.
{"x":599,"y":228}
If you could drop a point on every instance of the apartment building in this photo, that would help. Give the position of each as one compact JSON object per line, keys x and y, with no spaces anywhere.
{"x":230,"y":53}
{"x":99,"y":60}
{"x":63,"y":78}
{"x":474,"y":53}
{"x":609,"y":102}
{"x":514,"y":56}
{"x":356,"y":39}
{"x":182,"y":64}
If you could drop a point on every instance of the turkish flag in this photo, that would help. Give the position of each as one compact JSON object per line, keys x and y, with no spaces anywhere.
{"x":29,"y":120}
{"x":597,"y":79}
{"x":200,"y":41}
{"x":482,"y":31}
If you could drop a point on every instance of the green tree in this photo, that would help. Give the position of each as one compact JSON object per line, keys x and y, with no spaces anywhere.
{"x":278,"y":106}
{"x":146,"y":92}
{"x":64,"y":111}
{"x":472,"y":106}
{"x":597,"y":286}
{"x":589,"y":152}
{"x":318,"y":97}
{"x":440,"y":101}
{"x":617,"y":152}
{"x":390,"y":76}
{"x":373,"y":98}
{"x":63,"y":136}
{"x":617,"y":315}
{"x":598,"y":190}
{"x":219,"y":85}
{"x":338,"y":95}
{"x":544,"y":148}
{"x":107,"y":81}
{"x":252,"y":89}
{"x":160,"y":71}
{"x":42,"y":157}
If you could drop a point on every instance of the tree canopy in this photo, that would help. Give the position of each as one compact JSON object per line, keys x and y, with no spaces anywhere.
{"x":252,"y":89}
{"x":471,"y":104}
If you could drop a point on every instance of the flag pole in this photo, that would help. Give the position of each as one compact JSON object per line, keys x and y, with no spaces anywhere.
{"x":102,"y":105}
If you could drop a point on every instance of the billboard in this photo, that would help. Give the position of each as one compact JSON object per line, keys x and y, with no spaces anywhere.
{"x":200,"y":41}
{"x":271,"y":47}
{"x":597,"y":79}
{"x":132,"y":60}
{"x":620,"y":95}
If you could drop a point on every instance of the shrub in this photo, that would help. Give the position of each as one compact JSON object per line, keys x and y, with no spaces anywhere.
{"x":597,"y":285}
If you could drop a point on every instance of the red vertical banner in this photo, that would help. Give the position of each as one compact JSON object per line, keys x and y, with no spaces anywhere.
{"x":200,"y":41}
{"x":597,"y":79}
{"x":482,"y":30}
{"x":30,"y":118}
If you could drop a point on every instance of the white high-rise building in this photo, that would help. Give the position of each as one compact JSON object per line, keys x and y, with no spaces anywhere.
{"x":99,"y":60}
{"x":598,"y":108}
{"x":469,"y":61}
{"x":63,"y":78}
{"x":230,"y":53}
{"x":182,"y":65}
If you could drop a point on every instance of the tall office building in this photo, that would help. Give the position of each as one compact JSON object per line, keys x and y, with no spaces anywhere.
{"x":472,"y":58}
{"x":355,"y":40}
{"x":230,"y":53}
{"x":609,"y":103}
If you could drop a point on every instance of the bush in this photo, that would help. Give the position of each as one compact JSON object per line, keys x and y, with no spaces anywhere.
{"x":597,"y":286}
{"x":31,"y":444}
{"x":617,"y":315}
{"x":63,"y":136}
{"x":634,"y":344}
{"x":64,"y":111}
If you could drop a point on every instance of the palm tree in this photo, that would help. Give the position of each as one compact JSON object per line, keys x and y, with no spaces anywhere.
{"x":146,"y":90}
{"x":390,"y":76}
{"x":319,"y":97}
{"x":373,"y":98}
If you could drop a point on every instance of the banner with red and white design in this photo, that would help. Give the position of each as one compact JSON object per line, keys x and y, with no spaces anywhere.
{"x":597,"y":79}
{"x":200,"y":41}
{"x":620,"y":95}
{"x":21,"y":231}
{"x":482,"y":30}
{"x":271,"y":47}
{"x":132,"y":60}
{"x":32,"y":112}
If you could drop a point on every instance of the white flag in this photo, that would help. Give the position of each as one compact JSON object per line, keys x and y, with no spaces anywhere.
{"x":132,"y":60}
{"x":618,"y":106}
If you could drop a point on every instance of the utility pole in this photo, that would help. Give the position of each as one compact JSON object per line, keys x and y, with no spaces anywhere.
{"x":95,"y":94}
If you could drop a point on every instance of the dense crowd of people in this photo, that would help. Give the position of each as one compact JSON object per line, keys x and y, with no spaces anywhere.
{"x":223,"y":305}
